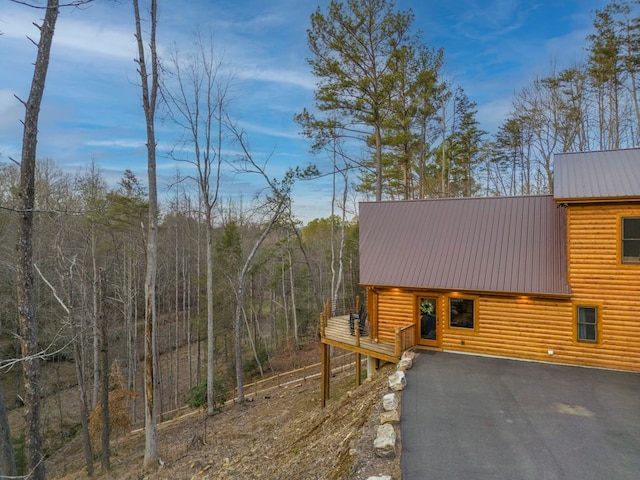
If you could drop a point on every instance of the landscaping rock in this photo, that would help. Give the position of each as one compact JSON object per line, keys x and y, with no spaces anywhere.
{"x":385,"y":442}
{"x":397,"y":381}
{"x":405,"y":364}
{"x":409,"y":355}
{"x":390,"y":402}
{"x":392,"y":416}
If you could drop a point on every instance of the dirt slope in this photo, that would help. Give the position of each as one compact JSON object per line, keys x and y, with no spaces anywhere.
{"x":283,"y":434}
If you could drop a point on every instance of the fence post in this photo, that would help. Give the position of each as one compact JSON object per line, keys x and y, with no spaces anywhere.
{"x":326,"y":373}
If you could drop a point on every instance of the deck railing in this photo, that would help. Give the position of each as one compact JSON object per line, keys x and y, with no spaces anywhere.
{"x":404,"y":336}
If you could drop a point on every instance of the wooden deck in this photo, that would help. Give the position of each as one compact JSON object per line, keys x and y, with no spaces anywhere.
{"x":336,"y":332}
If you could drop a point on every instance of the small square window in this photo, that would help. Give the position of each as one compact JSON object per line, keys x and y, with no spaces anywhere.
{"x":587,"y":324}
{"x":461,"y":313}
{"x":631,"y":240}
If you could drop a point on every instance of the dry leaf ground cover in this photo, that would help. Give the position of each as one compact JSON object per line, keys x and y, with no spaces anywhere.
{"x":280,"y":434}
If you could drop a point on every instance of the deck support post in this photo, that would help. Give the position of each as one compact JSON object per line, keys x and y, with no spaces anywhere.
{"x":372,"y":366}
{"x":358,"y":369}
{"x":326,"y":373}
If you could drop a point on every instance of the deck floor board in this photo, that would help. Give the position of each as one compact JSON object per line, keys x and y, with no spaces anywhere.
{"x":337,"y":332}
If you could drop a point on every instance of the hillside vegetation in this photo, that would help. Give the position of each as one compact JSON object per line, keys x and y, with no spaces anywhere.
{"x":282,"y":433}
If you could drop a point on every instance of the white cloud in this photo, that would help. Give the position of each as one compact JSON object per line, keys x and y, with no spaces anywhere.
{"x":570,"y":48}
{"x":492,"y":114}
{"x":124,"y":143}
{"x":91,"y":32}
{"x":283,"y":76}
{"x":95,"y":39}
{"x":270,"y":131}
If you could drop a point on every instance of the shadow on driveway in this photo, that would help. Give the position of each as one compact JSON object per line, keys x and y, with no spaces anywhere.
{"x":467,"y":417}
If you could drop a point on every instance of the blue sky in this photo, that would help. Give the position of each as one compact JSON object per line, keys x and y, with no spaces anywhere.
{"x":91,"y":109}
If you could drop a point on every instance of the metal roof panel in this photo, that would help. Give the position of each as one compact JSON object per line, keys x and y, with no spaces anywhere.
{"x":493,"y":244}
{"x":597,"y":175}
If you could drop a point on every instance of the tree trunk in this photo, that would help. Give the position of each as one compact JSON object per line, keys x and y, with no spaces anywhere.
{"x":96,"y":332}
{"x":378,"y":153}
{"x":76,"y":330}
{"x":149,"y":96}
{"x":84,"y":403}
{"x":337,"y":277}
{"x":130,"y":322}
{"x":237,"y":328}
{"x":285,"y":307}
{"x":443,"y":153}
{"x":211,"y":393}
{"x":334,"y":286}
{"x":198,"y":295}
{"x":253,"y":344}
{"x":104,"y":372}
{"x":34,"y":458}
{"x":293,"y":301}
{"x":186,"y":309}
{"x":177,"y":312}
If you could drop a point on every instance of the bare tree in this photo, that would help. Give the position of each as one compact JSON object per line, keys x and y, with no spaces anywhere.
{"x":104,"y":371}
{"x":68,"y":307}
{"x":277,"y":204}
{"x":196,"y":104}
{"x":34,"y":458}
{"x":149,"y":83}
{"x":337,"y":276}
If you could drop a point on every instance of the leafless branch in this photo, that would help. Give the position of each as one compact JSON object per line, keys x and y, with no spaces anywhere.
{"x":57,"y":212}
{"x":75,"y":3}
{"x":31,"y":39}
{"x":19,"y":99}
{"x":53,"y":289}
{"x":6,"y":365}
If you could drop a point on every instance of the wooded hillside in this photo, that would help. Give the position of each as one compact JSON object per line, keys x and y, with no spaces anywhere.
{"x":235,"y":281}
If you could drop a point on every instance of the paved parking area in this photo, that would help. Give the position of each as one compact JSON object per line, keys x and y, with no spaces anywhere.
{"x":468,"y":417}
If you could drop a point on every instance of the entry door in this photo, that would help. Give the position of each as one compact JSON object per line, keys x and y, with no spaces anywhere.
{"x":428,"y":321}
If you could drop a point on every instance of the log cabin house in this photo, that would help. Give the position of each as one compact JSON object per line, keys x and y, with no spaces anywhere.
{"x":552,"y":278}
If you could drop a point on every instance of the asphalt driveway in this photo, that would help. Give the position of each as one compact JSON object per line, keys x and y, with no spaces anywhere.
{"x":467,"y":417}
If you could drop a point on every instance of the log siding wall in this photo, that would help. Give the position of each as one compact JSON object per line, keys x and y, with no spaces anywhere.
{"x":395,"y":309}
{"x":519,"y":328}
{"x":546,"y":329}
{"x":598,"y":277}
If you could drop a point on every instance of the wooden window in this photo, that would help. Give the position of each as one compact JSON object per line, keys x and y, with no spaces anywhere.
{"x":587,"y":324}
{"x":631,"y":240}
{"x":462,"y":313}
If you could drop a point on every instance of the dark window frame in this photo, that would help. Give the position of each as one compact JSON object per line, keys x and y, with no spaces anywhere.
{"x":587,"y":327}
{"x":463,"y":324}
{"x":629,"y":242}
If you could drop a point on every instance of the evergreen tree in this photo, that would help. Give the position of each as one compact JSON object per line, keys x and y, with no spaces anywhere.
{"x":465,"y":145}
{"x":352,"y":48}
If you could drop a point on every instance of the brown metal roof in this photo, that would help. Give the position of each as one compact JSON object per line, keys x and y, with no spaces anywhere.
{"x":597,"y":175}
{"x":488,"y":244}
